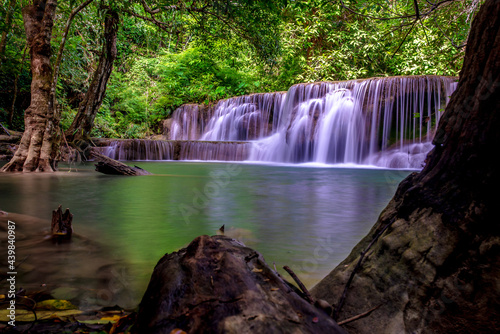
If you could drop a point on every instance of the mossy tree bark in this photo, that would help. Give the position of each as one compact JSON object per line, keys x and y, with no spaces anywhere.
{"x":87,"y":111}
{"x":39,"y":144}
{"x":434,"y":264}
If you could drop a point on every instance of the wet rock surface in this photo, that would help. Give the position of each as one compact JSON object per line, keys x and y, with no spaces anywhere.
{"x":217,"y":285}
{"x":432,"y":259}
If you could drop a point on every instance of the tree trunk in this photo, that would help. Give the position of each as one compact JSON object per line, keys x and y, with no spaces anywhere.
{"x":432,"y":259}
{"x":39,"y":144}
{"x":61,"y":226}
{"x":84,"y":119}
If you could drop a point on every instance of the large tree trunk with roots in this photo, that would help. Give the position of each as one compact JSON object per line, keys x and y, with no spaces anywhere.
{"x":433,"y":258}
{"x":39,"y":144}
{"x":84,"y":120}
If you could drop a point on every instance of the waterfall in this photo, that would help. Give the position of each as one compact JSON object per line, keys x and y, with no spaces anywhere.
{"x":213,"y":151}
{"x":143,"y":149}
{"x":187,"y":122}
{"x":245,"y":118}
{"x":139,"y":149}
{"x":385,"y":122}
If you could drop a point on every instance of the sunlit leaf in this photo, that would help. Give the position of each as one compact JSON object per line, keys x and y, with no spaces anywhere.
{"x":55,"y":304}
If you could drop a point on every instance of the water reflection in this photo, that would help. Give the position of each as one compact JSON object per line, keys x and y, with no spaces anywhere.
{"x":306,"y":218}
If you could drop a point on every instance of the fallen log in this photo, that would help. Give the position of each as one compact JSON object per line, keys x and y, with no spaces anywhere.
{"x":217,"y":285}
{"x":107,"y":165}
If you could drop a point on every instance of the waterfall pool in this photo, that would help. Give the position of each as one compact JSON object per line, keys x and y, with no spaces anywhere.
{"x":308,"y":217}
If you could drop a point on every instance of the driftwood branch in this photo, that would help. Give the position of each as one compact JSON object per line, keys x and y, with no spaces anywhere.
{"x":110,"y":166}
{"x":359,"y":316}
{"x":5,"y":130}
{"x":302,"y":287}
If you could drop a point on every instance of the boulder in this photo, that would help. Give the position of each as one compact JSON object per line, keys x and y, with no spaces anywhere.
{"x":218,"y":285}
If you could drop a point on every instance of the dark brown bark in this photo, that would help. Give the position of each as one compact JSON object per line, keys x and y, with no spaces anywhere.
{"x":110,"y":166}
{"x":40,"y":141}
{"x":87,"y":111}
{"x":434,"y":254}
{"x":217,"y":285}
{"x":61,"y":226}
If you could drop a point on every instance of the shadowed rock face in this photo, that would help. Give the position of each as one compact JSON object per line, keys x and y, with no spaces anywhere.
{"x":217,"y":285}
{"x":434,"y":265}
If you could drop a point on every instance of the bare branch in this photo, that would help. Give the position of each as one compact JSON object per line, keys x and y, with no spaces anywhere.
{"x":458,"y":47}
{"x":149,"y":10}
{"x":160,"y":24}
{"x":359,"y":316}
{"x":404,"y":39}
{"x":203,"y":10}
{"x":417,"y":11}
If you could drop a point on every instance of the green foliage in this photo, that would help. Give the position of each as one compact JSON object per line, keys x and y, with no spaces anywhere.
{"x":12,"y":66}
{"x":226,"y":48}
{"x":322,"y":40}
{"x":154,"y":87}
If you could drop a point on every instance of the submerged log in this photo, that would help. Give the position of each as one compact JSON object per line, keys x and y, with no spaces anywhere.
{"x":61,"y":227}
{"x":217,"y":285}
{"x":107,"y":165}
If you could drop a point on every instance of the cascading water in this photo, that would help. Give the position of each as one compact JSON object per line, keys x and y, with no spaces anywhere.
{"x":386,"y":122}
{"x":239,"y":118}
{"x":340,"y":134}
{"x":187,"y":122}
{"x":213,"y":151}
{"x":139,"y":149}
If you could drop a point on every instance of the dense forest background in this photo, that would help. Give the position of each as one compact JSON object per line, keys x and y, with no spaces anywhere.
{"x":168,"y":55}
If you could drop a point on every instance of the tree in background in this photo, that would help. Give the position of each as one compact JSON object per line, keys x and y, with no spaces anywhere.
{"x":9,"y":13}
{"x":352,"y":39}
{"x":252,"y":21}
{"x":38,"y":150}
{"x":87,"y":110}
{"x":174,"y":52}
{"x":39,"y":145}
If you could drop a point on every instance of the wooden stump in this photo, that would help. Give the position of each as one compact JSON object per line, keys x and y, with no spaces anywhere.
{"x":61,"y":227}
{"x":217,"y":285}
{"x":110,"y":166}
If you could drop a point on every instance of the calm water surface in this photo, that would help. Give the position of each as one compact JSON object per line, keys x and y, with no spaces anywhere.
{"x":308,"y":218}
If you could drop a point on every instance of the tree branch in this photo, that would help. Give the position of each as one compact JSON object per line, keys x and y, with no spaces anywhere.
{"x":149,"y":10}
{"x":63,"y":42}
{"x":458,"y":47}
{"x":434,"y":6}
{"x":160,"y":24}
{"x":359,"y":316}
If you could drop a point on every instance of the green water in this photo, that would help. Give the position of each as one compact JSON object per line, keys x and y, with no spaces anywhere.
{"x":308,"y":218}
